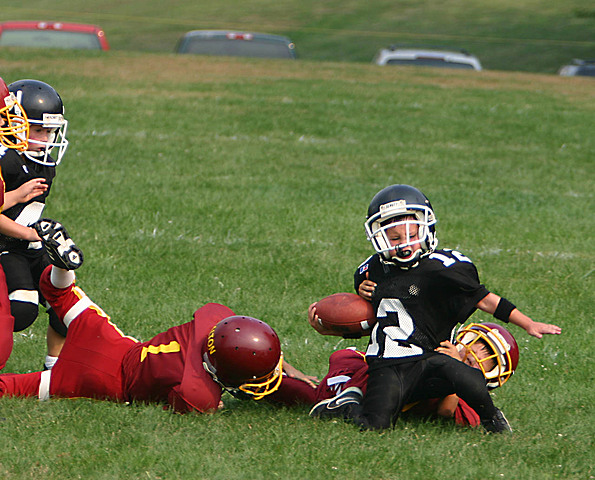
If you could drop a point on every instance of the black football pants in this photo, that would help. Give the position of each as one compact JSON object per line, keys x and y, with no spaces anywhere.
{"x":391,"y":387}
{"x":22,"y":279}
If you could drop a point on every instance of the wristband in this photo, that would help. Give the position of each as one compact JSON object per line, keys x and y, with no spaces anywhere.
{"x":503,"y":310}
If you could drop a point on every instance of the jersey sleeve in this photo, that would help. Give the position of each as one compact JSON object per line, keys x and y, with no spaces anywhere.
{"x":9,"y":166}
{"x":465,"y":415}
{"x":292,"y":391}
{"x":462,"y":275}
{"x":360,"y":273}
{"x":197,"y":390}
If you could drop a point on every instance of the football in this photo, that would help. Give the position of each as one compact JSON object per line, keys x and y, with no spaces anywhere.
{"x":346,"y":313}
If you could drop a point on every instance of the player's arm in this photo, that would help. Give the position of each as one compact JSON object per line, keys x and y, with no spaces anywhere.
{"x":10,"y":228}
{"x":293,"y":372}
{"x":27,"y":191}
{"x":447,"y":406}
{"x":505,"y":311}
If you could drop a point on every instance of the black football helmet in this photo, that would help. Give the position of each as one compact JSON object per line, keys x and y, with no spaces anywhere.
{"x":401,"y":205}
{"x":43,"y":107}
{"x":504,"y":350}
{"x":243,"y":355}
{"x":14,"y":127}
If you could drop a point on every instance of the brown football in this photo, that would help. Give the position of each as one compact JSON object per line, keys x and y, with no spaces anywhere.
{"x":346,"y":313}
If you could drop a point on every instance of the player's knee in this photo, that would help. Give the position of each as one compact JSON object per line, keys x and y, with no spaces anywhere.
{"x":24,"y":314}
{"x":56,"y":324}
{"x":374,"y":421}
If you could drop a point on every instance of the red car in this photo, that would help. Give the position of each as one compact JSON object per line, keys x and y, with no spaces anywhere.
{"x":52,"y":35}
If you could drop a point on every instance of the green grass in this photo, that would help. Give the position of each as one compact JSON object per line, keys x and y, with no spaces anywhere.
{"x":531,"y":36}
{"x":246,"y":182}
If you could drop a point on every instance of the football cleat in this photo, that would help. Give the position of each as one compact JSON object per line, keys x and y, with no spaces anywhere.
{"x":61,"y":249}
{"x":497,"y":424}
{"x":339,"y":406}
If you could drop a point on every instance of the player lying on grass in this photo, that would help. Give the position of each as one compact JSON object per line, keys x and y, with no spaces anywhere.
{"x":488,"y":347}
{"x":185,"y":367}
{"x":420,"y":294}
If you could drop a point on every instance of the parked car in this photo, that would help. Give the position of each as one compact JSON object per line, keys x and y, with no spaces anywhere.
{"x":52,"y":35}
{"x":237,"y":44}
{"x":578,"y":67}
{"x":404,"y":55}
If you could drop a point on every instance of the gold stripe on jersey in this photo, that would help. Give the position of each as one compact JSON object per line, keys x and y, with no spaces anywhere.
{"x":171,"y":347}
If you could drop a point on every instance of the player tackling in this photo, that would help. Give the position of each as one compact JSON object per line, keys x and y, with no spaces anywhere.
{"x":185,"y":367}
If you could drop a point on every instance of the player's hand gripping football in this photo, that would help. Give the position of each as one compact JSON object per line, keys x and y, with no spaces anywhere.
{"x":315,"y":322}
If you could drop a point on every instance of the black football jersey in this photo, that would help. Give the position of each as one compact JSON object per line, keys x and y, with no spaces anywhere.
{"x":17,"y":170}
{"x":420,"y":307}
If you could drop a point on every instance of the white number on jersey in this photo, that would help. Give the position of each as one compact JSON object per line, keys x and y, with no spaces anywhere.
{"x":394,"y":334}
{"x":447,"y":261}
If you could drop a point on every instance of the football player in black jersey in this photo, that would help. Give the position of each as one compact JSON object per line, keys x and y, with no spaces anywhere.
{"x":420,"y":295}
{"x":23,"y":257}
{"x":14,"y":131}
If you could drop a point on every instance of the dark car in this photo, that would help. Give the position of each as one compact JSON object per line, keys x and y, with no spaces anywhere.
{"x":237,"y":44}
{"x":52,"y":35}
{"x":584,"y":68}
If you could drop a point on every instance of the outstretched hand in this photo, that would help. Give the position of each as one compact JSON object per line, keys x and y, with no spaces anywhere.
{"x":293,"y":372}
{"x":539,"y":329}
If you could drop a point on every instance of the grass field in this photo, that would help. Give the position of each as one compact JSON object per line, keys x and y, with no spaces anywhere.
{"x":246,"y":182}
{"x":530,"y":36}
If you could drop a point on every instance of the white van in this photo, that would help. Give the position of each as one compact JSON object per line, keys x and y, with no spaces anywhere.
{"x":427,"y":57}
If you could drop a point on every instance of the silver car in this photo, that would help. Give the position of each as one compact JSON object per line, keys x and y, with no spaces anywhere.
{"x":584,"y":68}
{"x":426,"y":57}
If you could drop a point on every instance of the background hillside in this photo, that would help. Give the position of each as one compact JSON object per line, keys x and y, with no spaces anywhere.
{"x":532,"y":35}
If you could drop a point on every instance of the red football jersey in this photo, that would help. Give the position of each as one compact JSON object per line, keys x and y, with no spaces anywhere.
{"x":99,"y":361}
{"x":6,"y":318}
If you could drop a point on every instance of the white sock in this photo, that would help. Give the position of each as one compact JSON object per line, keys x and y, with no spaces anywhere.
{"x":61,"y":278}
{"x":50,"y":361}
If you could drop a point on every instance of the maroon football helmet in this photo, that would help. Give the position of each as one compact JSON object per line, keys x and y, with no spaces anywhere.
{"x":244,"y":354}
{"x":503,"y":346}
{"x":14,"y":126}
